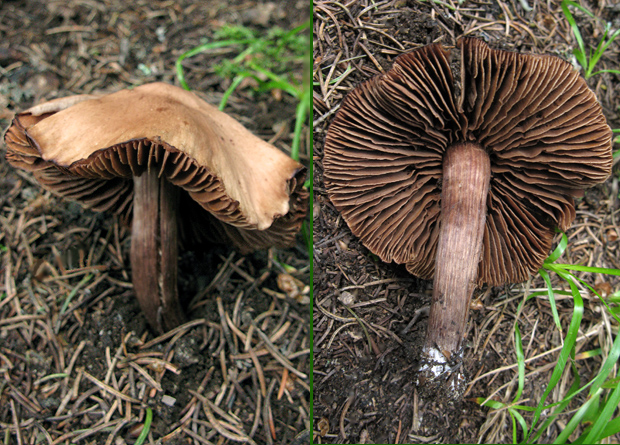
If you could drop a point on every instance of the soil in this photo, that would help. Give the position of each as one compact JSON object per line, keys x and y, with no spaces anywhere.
{"x":78,"y":363}
{"x":364,"y":390}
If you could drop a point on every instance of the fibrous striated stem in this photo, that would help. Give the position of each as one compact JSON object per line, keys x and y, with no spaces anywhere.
{"x":154,"y":250}
{"x":466,"y":178}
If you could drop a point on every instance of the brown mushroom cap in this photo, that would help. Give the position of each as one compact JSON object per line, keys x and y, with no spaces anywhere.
{"x":542,"y":127}
{"x":88,"y":148}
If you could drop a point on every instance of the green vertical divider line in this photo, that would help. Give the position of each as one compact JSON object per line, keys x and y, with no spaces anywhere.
{"x":308,"y":84}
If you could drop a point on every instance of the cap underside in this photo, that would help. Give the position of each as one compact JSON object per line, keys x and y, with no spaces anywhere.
{"x":542,"y":127}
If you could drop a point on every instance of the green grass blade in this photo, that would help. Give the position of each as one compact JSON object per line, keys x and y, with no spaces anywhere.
{"x":578,"y":6}
{"x":588,"y":63}
{"x":277,"y":81}
{"x":283,"y":85}
{"x":233,"y":86}
{"x":73,"y":292}
{"x":544,"y":293}
{"x":513,"y":413}
{"x":599,"y":409}
{"x":580,"y":53}
{"x":493,"y":404}
{"x":560,"y":270}
{"x":300,"y":116}
{"x":559,"y":250}
{"x":600,"y":49}
{"x":613,"y":427}
{"x":608,"y":365}
{"x":520,"y":363}
{"x":146,"y":428}
{"x":246,"y":52}
{"x":560,"y":407}
{"x":565,"y":352}
{"x":287,"y":35}
{"x":606,"y":71}
{"x":197,"y":50}
{"x":595,"y":434}
{"x":550,"y":293}
{"x":611,"y":39}
{"x":578,"y":268}
{"x":517,"y":415}
{"x":574,"y":421}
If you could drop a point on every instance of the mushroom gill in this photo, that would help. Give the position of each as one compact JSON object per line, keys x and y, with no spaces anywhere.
{"x":464,"y":173}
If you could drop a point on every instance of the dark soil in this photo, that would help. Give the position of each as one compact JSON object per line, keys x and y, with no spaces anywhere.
{"x":78,"y":363}
{"x":364,"y":390}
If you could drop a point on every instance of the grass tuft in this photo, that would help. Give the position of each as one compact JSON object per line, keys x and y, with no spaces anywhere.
{"x":597,"y":418}
{"x":267,"y":59}
{"x":588,"y":62}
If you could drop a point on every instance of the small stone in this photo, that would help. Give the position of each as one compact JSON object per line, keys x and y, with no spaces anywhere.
{"x":168,"y":400}
{"x":346,"y":298}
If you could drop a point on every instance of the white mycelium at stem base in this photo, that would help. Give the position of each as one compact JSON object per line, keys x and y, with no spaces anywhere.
{"x":465,"y":186}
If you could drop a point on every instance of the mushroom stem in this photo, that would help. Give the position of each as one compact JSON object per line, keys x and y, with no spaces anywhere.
{"x":466,"y":178}
{"x":154,"y":250}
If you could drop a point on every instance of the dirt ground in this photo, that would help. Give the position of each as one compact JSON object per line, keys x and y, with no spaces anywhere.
{"x":364,"y":389}
{"x":78,"y":363}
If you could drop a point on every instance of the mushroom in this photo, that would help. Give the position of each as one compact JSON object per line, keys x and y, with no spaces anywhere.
{"x":461,"y":165}
{"x":167,"y":161}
